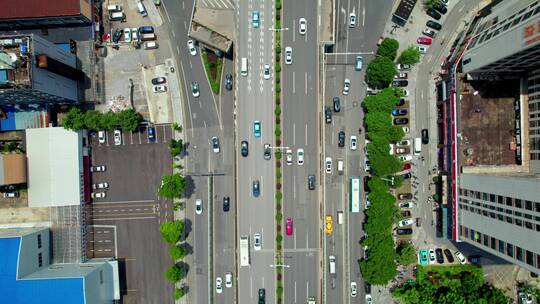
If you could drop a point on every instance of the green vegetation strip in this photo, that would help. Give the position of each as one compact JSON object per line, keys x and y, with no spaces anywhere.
{"x":76,"y":120}
{"x":213,"y":70}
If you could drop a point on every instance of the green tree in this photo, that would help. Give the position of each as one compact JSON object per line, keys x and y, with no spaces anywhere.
{"x":388,"y":48}
{"x":92,"y":120}
{"x":74,"y":120}
{"x":175,"y":273}
{"x":406,"y":254}
{"x":177,"y":252}
{"x":432,"y":3}
{"x":410,"y":55}
{"x":129,"y":119}
{"x":384,"y":101}
{"x":380,"y":267}
{"x":176,"y":147}
{"x":377,"y":122}
{"x":380,"y":72}
{"x":172,"y":186}
{"x":179,"y":293}
{"x":171,"y":231}
{"x":109,"y":120}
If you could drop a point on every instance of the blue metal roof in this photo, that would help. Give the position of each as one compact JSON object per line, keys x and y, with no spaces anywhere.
{"x":32,"y":291}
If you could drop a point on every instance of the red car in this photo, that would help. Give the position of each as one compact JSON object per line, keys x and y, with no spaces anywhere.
{"x":424,"y":40}
{"x":289,"y":226}
{"x":406,"y":166}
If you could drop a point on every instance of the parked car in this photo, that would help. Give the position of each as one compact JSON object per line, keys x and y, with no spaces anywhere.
{"x":432,"y":257}
{"x":403,"y":143}
{"x":424,"y":40}
{"x":369,"y":299}
{"x":405,"y":231}
{"x":228,"y":82}
{"x":406,"y":166}
{"x":439,"y":254}
{"x":353,"y":143}
{"x":407,"y":205}
{"x":418,"y":222}
{"x":367,"y":287}
{"x":13,"y":194}
{"x":399,"y":112}
{"x":244,"y":148}
{"x":402,"y":151}
{"x":367,"y":165}
{"x":401,"y":121}
{"x":461,"y":258}
{"x":198,"y":206}
{"x":429,"y":32}
{"x":433,"y":14}
{"x":160,"y":89}
{"x":102,"y":136}
{"x":288,"y":55}
{"x":354,"y":289}
{"x":100,"y":168}
{"x":336,"y":102}
{"x":525,"y":298}
{"x":191,"y":47}
{"x":423,"y":257}
{"x":406,"y":176}
{"x":255,"y":187}
{"x":117,"y":35}
{"x":127,"y":35}
{"x":228,"y":279}
{"x":448,"y":255}
{"x":405,"y":222}
{"x":300,"y":156}
{"x":103,"y":185}
{"x":400,"y":102}
{"x":289,"y":226}
{"x":406,"y":213}
{"x":117,"y":137}
{"x":425,"y":136}
{"x":226,"y":203}
{"x":151,"y":133}
{"x":403,"y":67}
{"x":302,"y":26}
{"x":401,"y":76}
{"x":405,"y":158}
{"x":159,"y":80}
{"x":422,"y":49}
{"x":341,"y":139}
{"x":404,"y":196}
{"x":434,"y":25}
{"x":400,"y":83}
{"x":440,"y":8}
{"x":98,"y":195}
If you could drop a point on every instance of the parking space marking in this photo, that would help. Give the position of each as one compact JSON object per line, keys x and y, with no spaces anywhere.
{"x":125,"y":218}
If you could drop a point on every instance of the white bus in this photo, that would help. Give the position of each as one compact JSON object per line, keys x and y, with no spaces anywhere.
{"x":354,"y":194}
{"x":244,"y":67}
{"x":244,"y":250}
{"x":417,"y":146}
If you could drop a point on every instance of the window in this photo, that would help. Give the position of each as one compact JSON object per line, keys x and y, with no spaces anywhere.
{"x":510,"y":250}
{"x":517,"y":203}
{"x":529,"y":257}
{"x":478,"y":194}
{"x":101,"y":277}
{"x":509,"y":219}
{"x":508,"y":201}
{"x":486,"y":240}
{"x":527,"y":216}
{"x":519,"y":222}
{"x":528,"y":205}
{"x":501,"y":246}
{"x":537,"y":207}
{"x":500,"y":199}
{"x":493,"y":243}
{"x":529,"y":225}
{"x":40,"y":260}
{"x":492,"y":198}
{"x":519,"y":254}
{"x":492,"y":214}
{"x":39,"y":241}
{"x":537,"y":227}
{"x":485,"y":196}
{"x":518,"y":214}
{"x":500,"y":217}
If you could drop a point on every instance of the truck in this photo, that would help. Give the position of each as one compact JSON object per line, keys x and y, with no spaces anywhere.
{"x":311,"y":300}
{"x":417,"y":146}
{"x":244,"y":250}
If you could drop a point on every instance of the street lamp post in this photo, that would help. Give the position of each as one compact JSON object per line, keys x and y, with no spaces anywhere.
{"x":278,"y":30}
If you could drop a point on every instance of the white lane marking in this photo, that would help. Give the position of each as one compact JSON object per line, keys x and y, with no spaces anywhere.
{"x":363,"y":16}
{"x":189,"y":106}
{"x":306,"y":136}
{"x":185,"y":25}
{"x":294,"y":186}
{"x":294,"y":31}
{"x":461,"y":8}
{"x":294,"y":134}
{"x":295,"y":233}
{"x":305,"y":82}
{"x":183,"y":5}
{"x":294,"y":291}
{"x":251,"y":286}
{"x":293,"y":82}
{"x":262,"y":282}
{"x":173,"y":33}
{"x":166,"y":13}
{"x":307,"y":239}
{"x":307,"y":289}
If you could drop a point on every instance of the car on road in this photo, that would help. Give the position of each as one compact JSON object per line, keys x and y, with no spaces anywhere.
{"x":226,"y":203}
{"x":255,"y":187}
{"x":288,"y":55}
{"x":424,"y":40}
{"x":433,"y":14}
{"x":341,"y":139}
{"x":228,"y":82}
{"x":403,"y":143}
{"x":289,"y":226}
{"x":219,"y":288}
{"x":191,"y":47}
{"x":262,"y":296}
{"x":266,"y":71}
{"x":300,"y":156}
{"x":405,"y":231}
{"x":257,"y":241}
{"x":328,"y":224}
{"x":328,"y":115}
{"x":311,"y":182}
{"x":158,"y":80}
{"x":100,"y":168}
{"x":406,"y":176}
{"x":403,"y":67}
{"x":244,"y":148}
{"x":425,"y":136}
{"x":449,"y":256}
{"x":215,"y":144}
{"x":367,"y":288}
{"x":228,"y":279}
{"x":401,"y":121}
{"x":198,"y":206}
{"x":398,"y":83}
{"x":423,"y":257}
{"x":434,"y":25}
{"x":195,"y":89}
{"x":352,"y":19}
{"x":103,"y":185}
{"x":405,"y":222}
{"x":255,"y":19}
{"x":328,"y":164}
{"x":429,"y":32}
{"x":302,"y":26}
{"x":289,"y":157}
{"x":257,"y":128}
{"x":159,"y":88}
{"x":354,"y":143}
{"x":407,"y":205}
{"x":367,"y":165}
{"x":440,"y":256}
{"x":102,"y":136}
{"x":98,"y":195}
{"x":151,"y":133}
{"x":346,"y":86}
{"x":337,"y":104}
{"x":127,"y":35}
{"x":461,"y":258}
{"x":432,"y":257}
{"x":267,"y":152}
{"x":117,"y":137}
{"x":358,"y":63}
{"x":404,"y":196}
{"x":422,"y":49}
{"x":399,"y":112}
{"x":354,"y":289}
{"x":369,"y":299}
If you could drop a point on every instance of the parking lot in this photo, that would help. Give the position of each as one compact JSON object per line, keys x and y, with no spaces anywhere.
{"x":125,"y":223}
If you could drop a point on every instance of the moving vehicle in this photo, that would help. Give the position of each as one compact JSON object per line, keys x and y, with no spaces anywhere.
{"x":219,"y":288}
{"x":98,"y":195}
{"x":266,"y":72}
{"x":100,"y":168}
{"x":102,"y":136}
{"x":228,"y":279}
{"x":461,"y":258}
{"x":340,"y":166}
{"x":215,"y":144}
{"x":358,"y":63}
{"x":433,"y":14}
{"x":289,"y":226}
{"x":353,"y":289}
{"x":288,"y":55}
{"x":405,"y":222}
{"x":191,"y":47}
{"x":328,"y":115}
{"x":103,"y":185}
{"x":289,"y":157}
{"x":425,"y":136}
{"x":352,"y":20}
{"x":354,"y":195}
{"x":257,"y":128}
{"x":226,"y":203}
{"x":434,"y":25}
{"x":311,"y":182}
{"x":262,"y":296}
{"x":267,"y":152}
{"x":300,"y":156}
{"x":332,"y":264}
{"x":244,"y":148}
{"x":337,"y":104}
{"x":328,"y":224}
{"x":151,"y":133}
{"x":244,"y":67}
{"x":160,"y":88}
{"x":244,"y":250}
{"x":198,"y":206}
{"x":328,"y":164}
{"x":117,"y":137}
{"x":424,"y":40}
{"x":195,"y":89}
{"x":255,"y":19}
{"x":302,"y":28}
{"x":257,"y":240}
{"x":256,"y":188}
{"x":417,"y":146}
{"x":353,"y":143}
{"x":228,"y":82}
{"x":346,"y":86}
{"x":341,"y":139}
{"x":423,"y":257}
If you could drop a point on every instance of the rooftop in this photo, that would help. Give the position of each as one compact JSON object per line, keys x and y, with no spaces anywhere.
{"x":38,"y":8}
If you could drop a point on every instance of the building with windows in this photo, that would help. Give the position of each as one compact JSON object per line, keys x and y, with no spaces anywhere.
{"x":39,"y":14}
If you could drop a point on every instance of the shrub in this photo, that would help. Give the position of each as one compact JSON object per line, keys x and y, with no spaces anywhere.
{"x":175,"y":273}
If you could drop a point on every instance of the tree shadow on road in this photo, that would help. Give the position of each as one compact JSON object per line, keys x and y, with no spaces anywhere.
{"x":188,"y":226}
{"x":189,"y":187}
{"x":188,"y":248}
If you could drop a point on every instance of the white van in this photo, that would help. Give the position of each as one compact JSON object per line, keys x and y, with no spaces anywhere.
{"x":141,"y":9}
{"x":114,"y":8}
{"x":340,"y":217}
{"x":117,"y":16}
{"x":244,"y":68}
{"x":340,"y":167}
{"x":332,"y":260}
{"x":417,"y":146}
{"x":150,"y":45}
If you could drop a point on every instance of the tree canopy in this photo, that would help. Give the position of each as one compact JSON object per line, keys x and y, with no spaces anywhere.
{"x":171,"y":231}
{"x":172,"y":186}
{"x":380,"y":72}
{"x":406,"y":254}
{"x":432,"y":3}
{"x":177,"y":252}
{"x":388,"y":48}
{"x":76,"y":120}
{"x":175,"y":273}
{"x":410,"y":55}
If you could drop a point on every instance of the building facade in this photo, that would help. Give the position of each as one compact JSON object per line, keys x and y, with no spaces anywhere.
{"x":39,"y":14}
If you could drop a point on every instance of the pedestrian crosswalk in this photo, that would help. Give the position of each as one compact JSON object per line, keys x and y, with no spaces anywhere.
{"x":218,"y":4}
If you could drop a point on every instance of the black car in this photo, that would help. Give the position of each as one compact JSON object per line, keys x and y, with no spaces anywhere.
{"x":228,"y":82}
{"x":336,"y":102}
{"x":116,"y":36}
{"x":401,"y":121}
{"x":434,"y":25}
{"x":405,"y":231}
{"x":262,"y":296}
{"x":244,"y":148}
{"x":400,"y":83}
{"x":439,"y":255}
{"x":226,"y":203}
{"x":433,"y":14}
{"x":367,"y":287}
{"x":449,"y":256}
{"x":341,"y":139}
{"x":256,"y":188}
{"x":311,"y":182}
{"x":401,"y":102}
{"x":366,"y":183}
{"x":406,"y":176}
{"x":425,"y":136}
{"x":267,"y":152}
{"x":441,"y":8}
{"x":328,"y":115}
{"x":158,"y":80}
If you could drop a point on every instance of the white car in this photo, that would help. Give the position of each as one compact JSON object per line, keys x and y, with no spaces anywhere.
{"x":98,"y":195}
{"x":368,"y":299}
{"x":219,"y":288}
{"x":300,"y":156}
{"x":101,"y":168}
{"x":289,"y":157}
{"x":127,"y":35}
{"x":354,"y":289}
{"x":405,"y":158}
{"x":367,"y":165}
{"x":266,"y":71}
{"x":401,"y":151}
{"x":117,"y":137}
{"x":195,"y":89}
{"x":461,"y":258}
{"x":406,"y":130}
{"x":102,"y":136}
{"x":302,"y":28}
{"x":406,"y":93}
{"x":215,"y":144}
{"x":432,"y":257}
{"x":403,"y":143}
{"x":288,"y":55}
{"x":525,"y":298}
{"x":103,"y":185}
{"x":159,"y":88}
{"x":352,"y":20}
{"x":422,"y":49}
{"x":228,"y":279}
{"x":191,"y":47}
{"x":134,"y":34}
{"x":354,"y":143}
{"x":405,"y":222}
{"x":407,"y":205}
{"x":346,"y":86}
{"x":257,"y":241}
{"x":328,"y":162}
{"x":198,"y":206}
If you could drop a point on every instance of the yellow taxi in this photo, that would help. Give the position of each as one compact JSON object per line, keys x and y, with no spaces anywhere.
{"x":328,"y":224}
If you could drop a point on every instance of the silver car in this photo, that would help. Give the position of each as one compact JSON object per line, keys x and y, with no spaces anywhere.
{"x":288,"y":55}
